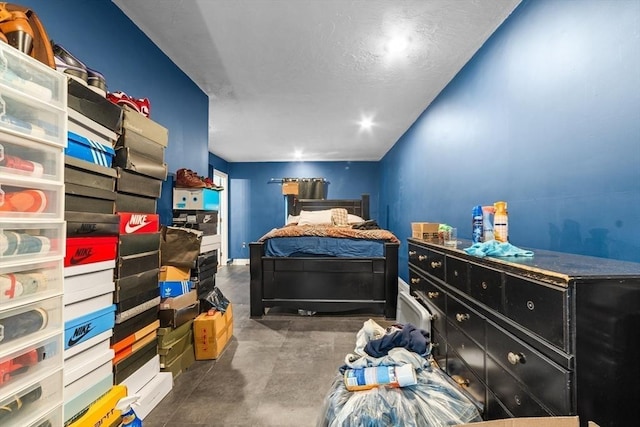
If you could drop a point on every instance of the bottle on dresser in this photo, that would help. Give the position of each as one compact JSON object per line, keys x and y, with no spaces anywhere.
{"x":501,"y":222}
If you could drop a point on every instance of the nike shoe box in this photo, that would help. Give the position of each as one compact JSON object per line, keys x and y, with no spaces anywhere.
{"x":136,"y":204}
{"x":129,"y":350}
{"x":141,"y":144}
{"x":210,"y":243}
{"x":125,"y":305}
{"x":204,"y":199}
{"x":93,"y":106}
{"x":123,"y":316}
{"x":134,"y":183}
{"x":143,"y":376}
{"x":131,"y":244}
{"x":80,"y":198}
{"x":206,"y":221}
{"x":134,"y":361}
{"x":206,"y":261}
{"x":87,"y":363}
{"x":129,"y":265}
{"x":135,"y":223}
{"x":135,"y":337}
{"x":84,"y":307}
{"x":131,"y":160}
{"x":88,"y":174}
{"x":86,"y":286}
{"x":175,"y":318}
{"x":84,"y":224}
{"x":88,"y":326}
{"x":134,"y":324}
{"x":153,"y":393}
{"x":86,"y":250}
{"x":86,"y":149}
{"x":169,"y":336}
{"x":143,"y":126}
{"x":130,"y":286}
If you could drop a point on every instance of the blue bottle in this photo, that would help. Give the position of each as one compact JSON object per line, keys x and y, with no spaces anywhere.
{"x":476,"y":221}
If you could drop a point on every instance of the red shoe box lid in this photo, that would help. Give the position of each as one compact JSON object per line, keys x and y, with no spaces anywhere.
{"x":86,"y":250}
{"x":139,"y":223}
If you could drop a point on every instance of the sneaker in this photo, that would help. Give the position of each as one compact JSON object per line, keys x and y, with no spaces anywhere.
{"x":27,"y":201}
{"x":186,"y":178}
{"x":69,"y":64}
{"x":16,"y":28}
{"x":20,"y":166}
{"x":144,"y":106}
{"x":97,"y":82}
{"x":121,"y":98}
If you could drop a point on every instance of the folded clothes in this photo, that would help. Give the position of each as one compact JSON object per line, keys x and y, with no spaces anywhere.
{"x":497,"y":249}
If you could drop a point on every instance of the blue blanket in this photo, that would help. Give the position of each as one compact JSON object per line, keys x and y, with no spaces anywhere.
{"x":496,"y":249}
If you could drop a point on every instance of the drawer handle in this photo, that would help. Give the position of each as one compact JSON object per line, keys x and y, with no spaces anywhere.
{"x":422,"y":257}
{"x":433,"y":295}
{"x":436,"y":264}
{"x":412,"y":253}
{"x":461,"y":317}
{"x":435,"y":316}
{"x":462,"y":382}
{"x":484,"y":285}
{"x":515,"y":358}
{"x":415,"y":280}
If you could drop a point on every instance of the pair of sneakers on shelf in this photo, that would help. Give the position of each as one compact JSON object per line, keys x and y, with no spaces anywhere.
{"x":74,"y":68}
{"x":141,"y":105}
{"x":186,"y":178}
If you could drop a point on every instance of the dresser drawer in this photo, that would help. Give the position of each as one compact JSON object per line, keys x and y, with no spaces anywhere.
{"x":538,"y":307}
{"x":495,"y":410}
{"x":470,"y":351}
{"x":546,"y":380}
{"x":456,"y":273}
{"x":429,"y":261}
{"x":466,"y":378}
{"x":439,"y":350}
{"x":511,"y":394}
{"x":485,"y":285}
{"x":465,"y":318}
{"x":427,"y":290}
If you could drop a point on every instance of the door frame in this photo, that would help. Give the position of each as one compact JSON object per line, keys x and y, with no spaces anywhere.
{"x":222,"y":179}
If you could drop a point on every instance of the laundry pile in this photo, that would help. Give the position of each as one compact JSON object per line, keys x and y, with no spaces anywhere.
{"x":433,"y":402}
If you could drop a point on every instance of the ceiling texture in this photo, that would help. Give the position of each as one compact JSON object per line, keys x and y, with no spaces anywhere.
{"x":294,"y":80}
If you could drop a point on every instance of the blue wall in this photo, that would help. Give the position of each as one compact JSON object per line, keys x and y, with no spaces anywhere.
{"x":546,"y":116}
{"x":257,"y":206}
{"x":101,"y":36}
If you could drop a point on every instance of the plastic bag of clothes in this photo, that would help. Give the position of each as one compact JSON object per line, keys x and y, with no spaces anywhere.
{"x":434,"y":401}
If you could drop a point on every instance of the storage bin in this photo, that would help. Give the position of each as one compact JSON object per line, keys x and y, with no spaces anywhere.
{"x":196,"y":199}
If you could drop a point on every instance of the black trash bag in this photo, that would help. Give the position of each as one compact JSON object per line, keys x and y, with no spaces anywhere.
{"x":214,"y":300}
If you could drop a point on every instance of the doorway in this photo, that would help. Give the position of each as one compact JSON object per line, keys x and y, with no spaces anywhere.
{"x":222,"y":179}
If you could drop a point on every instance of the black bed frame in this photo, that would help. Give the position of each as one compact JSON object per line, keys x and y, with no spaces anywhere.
{"x":325,"y":284}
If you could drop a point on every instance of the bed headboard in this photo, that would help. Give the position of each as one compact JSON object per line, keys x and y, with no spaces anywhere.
{"x":358,"y":207}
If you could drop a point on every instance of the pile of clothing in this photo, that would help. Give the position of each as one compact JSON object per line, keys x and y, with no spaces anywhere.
{"x":433,"y":402}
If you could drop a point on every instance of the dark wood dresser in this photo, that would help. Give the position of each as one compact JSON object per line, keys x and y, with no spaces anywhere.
{"x":553,"y":334}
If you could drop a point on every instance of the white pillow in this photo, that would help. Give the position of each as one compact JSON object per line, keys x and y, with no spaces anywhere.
{"x":293,"y":219}
{"x":354,"y":219}
{"x":315,"y":217}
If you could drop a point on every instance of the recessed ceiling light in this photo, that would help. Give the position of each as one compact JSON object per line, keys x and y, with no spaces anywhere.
{"x":397,"y":45}
{"x":366,"y":123}
{"x":297,"y":154}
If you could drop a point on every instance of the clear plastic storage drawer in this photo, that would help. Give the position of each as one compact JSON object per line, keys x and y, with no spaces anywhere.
{"x":30,"y":282}
{"x":22,"y":242}
{"x":33,"y":403}
{"x":26,"y":75}
{"x":22,"y":159}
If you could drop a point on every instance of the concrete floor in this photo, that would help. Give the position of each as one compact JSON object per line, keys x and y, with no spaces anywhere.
{"x":275,"y":372}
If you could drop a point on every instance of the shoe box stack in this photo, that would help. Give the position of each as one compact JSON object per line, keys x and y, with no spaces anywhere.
{"x":197,"y":208}
{"x":140,"y":169}
{"x":91,"y":248}
{"x":32,"y":244}
{"x":178,"y":309}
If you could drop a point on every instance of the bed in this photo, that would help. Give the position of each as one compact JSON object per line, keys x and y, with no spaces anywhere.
{"x":317,"y":283}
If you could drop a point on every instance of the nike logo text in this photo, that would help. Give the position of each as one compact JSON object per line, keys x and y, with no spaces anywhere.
{"x":136,"y":222}
{"x":86,"y":228}
{"x":79,"y":334}
{"x":80,"y":255}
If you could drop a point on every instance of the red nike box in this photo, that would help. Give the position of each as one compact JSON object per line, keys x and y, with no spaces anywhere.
{"x":131,"y":223}
{"x":86,"y":250}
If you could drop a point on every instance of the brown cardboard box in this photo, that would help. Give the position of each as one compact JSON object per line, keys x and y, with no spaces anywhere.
{"x":136,"y":122}
{"x":179,"y":302}
{"x":170,"y":273}
{"x":290,"y":188}
{"x":531,"y":422}
{"x":425,"y":231}
{"x":211,"y":332}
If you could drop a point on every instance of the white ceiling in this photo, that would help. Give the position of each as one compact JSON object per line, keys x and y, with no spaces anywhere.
{"x":287,"y":75}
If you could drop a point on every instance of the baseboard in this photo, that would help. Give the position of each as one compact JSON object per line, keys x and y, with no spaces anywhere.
{"x":240,"y":261}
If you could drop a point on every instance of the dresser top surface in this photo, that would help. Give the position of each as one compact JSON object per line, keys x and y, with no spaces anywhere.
{"x":560,"y":265}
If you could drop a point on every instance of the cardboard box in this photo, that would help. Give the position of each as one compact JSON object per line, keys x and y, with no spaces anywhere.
{"x":425,"y":231}
{"x":135,"y":122}
{"x":290,"y":188}
{"x":182,"y":301}
{"x":168,"y":336}
{"x":134,"y":183}
{"x":96,"y":107}
{"x":174,"y":288}
{"x":196,"y":199}
{"x":211,"y":333}
{"x":176,"y":318}
{"x":86,"y":149}
{"x":171,"y":273}
{"x":141,"y":144}
{"x":531,"y":422}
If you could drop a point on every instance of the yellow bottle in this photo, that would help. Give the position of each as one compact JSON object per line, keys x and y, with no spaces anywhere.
{"x":501,"y":222}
